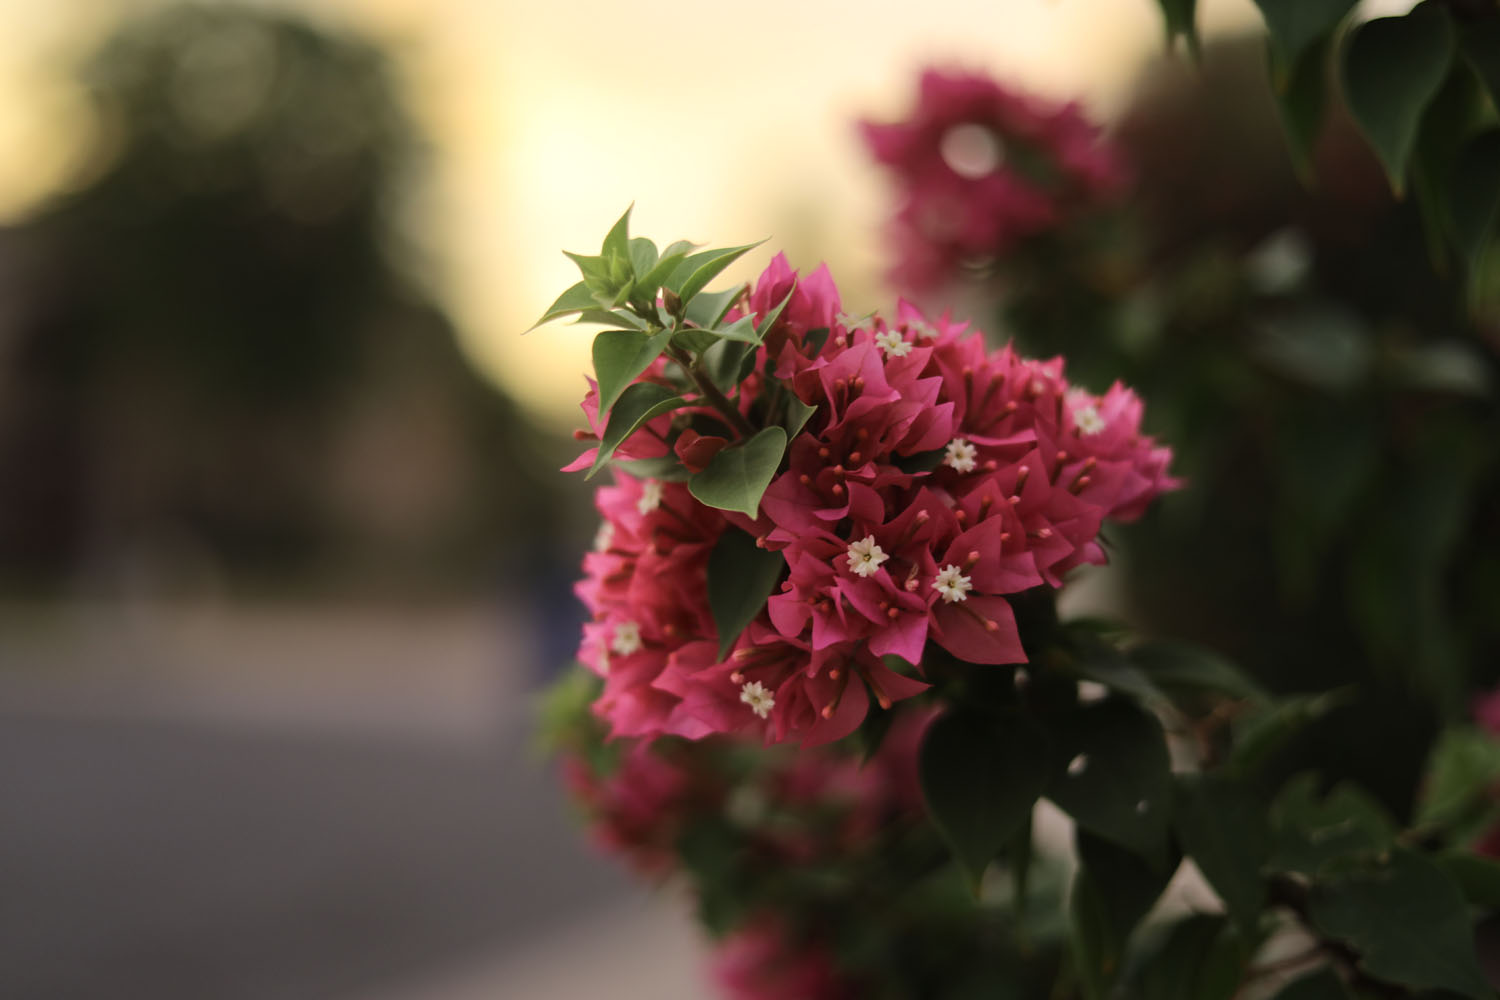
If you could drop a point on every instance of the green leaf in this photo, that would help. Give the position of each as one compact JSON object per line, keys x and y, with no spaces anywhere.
{"x":1260,"y":734}
{"x":724,"y":360}
{"x":742,"y":329}
{"x":1294,"y":25}
{"x":1175,"y":666}
{"x":1301,"y":98}
{"x":1095,"y":658}
{"x":1462,"y":768}
{"x":1477,"y":876}
{"x":813,"y":341}
{"x":741,"y":576}
{"x":694,"y":273}
{"x":1407,"y":920}
{"x":708,"y":308}
{"x":1124,"y":889}
{"x":797,"y":415}
{"x":1114,"y":776}
{"x":617,"y":240}
{"x":1393,"y":67}
{"x":981,"y":775}
{"x":1200,"y":957}
{"x":736,"y":477}
{"x":1479,"y":40}
{"x":575,"y":300}
{"x":1222,"y":827}
{"x":769,"y":319}
{"x":667,"y":468}
{"x":1324,"y":984}
{"x":617,"y":318}
{"x":640,"y":402}
{"x":1313,"y":831}
{"x":922,"y":461}
{"x":1096,"y":951}
{"x":597,"y":276}
{"x":1474,"y":195}
{"x":693,"y":340}
{"x":671,"y":257}
{"x":1181,"y":19}
{"x":619,"y":358}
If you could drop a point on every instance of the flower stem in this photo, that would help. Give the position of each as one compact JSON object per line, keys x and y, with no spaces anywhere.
{"x":711,"y":393}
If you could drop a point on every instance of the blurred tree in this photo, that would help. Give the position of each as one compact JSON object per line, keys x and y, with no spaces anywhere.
{"x":210,"y":358}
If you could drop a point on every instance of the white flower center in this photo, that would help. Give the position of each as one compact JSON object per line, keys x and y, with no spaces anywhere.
{"x":754,"y":694}
{"x":961,"y":455}
{"x":1087,"y":420}
{"x":865,"y":556}
{"x":952,"y":584}
{"x":922,"y":329}
{"x":627,"y":638}
{"x":893,"y":344}
{"x":604,"y":537}
{"x":650,"y":496}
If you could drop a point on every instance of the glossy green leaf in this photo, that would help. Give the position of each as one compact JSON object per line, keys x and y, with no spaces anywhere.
{"x":617,"y":318}
{"x":597,"y":276}
{"x":575,"y":300}
{"x":642,"y":256}
{"x":1461,"y":770}
{"x":724,"y":361}
{"x":693,"y":340}
{"x":737,"y":477}
{"x":707,"y":309}
{"x":1474,"y":195}
{"x":981,"y":774}
{"x":741,"y":576}
{"x":1260,"y":734}
{"x":667,"y":468}
{"x":742,"y":330}
{"x":1176,"y":666}
{"x":813,"y":341}
{"x":1095,"y":658}
{"x":1406,"y":919}
{"x":671,"y":257}
{"x":1114,"y":775}
{"x":640,"y":402}
{"x":769,"y":319}
{"x":619,"y":358}
{"x":694,"y":273}
{"x":1222,"y":826}
{"x":1393,"y":67}
{"x":1296,"y":25}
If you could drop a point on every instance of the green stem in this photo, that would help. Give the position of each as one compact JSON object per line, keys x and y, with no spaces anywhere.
{"x":711,"y":393}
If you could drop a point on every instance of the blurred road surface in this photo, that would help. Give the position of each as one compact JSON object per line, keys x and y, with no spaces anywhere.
{"x":240,"y":804}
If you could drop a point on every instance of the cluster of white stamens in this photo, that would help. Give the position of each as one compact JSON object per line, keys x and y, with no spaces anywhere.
{"x":961,"y":455}
{"x":952,"y":584}
{"x":1086,"y":418}
{"x":865,"y":556}
{"x":922,"y":329}
{"x":627,"y":638}
{"x":755,"y":694}
{"x":650,"y":496}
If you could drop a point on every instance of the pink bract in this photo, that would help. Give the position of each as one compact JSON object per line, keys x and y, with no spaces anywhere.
{"x":935,"y":480}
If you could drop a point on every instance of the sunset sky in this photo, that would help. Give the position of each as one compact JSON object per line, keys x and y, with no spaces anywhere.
{"x":723,"y":123}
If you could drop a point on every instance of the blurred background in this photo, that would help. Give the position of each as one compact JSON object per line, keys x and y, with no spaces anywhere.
{"x":283,"y":554}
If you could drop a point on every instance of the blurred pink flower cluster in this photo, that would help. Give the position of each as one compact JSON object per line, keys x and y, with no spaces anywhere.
{"x":933,"y":478}
{"x":980,"y":167}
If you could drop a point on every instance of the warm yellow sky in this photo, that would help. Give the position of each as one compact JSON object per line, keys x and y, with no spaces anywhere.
{"x":724,"y":123}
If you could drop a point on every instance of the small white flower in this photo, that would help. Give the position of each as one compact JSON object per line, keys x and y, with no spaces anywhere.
{"x":922,"y":329}
{"x":650,"y":496}
{"x":852,"y":323}
{"x":604,"y":537}
{"x":952,"y":584}
{"x":627,"y":638}
{"x":865,"y":556}
{"x":1087,"y":420}
{"x":961,"y":455}
{"x":755,"y":695}
{"x":893,"y":344}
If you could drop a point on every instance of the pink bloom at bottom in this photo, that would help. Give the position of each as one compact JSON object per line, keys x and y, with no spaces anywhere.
{"x":768,"y":961}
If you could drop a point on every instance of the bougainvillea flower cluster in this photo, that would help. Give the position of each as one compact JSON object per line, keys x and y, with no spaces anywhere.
{"x":933,"y":480}
{"x":980,"y":167}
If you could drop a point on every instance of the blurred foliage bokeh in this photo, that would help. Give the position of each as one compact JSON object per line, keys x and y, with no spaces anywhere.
{"x":217,"y":371}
